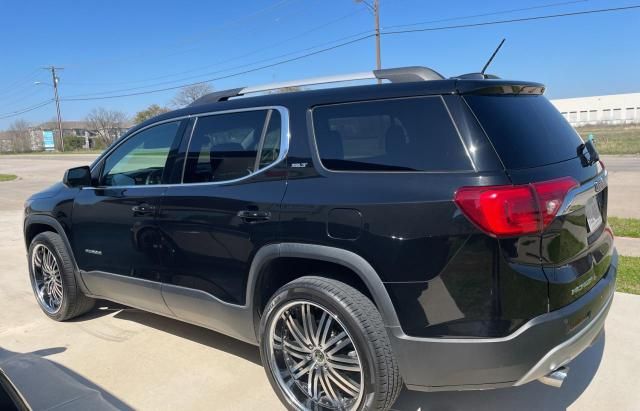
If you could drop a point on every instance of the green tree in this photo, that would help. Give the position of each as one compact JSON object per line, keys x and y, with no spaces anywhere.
{"x":151,"y":111}
{"x":73,"y":143}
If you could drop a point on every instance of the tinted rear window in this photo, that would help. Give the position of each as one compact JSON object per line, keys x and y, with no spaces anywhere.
{"x":527,"y":131}
{"x":413,"y":134}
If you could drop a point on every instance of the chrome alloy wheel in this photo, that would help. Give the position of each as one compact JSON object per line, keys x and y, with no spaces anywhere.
{"x":47,"y":278}
{"x":313,"y":358}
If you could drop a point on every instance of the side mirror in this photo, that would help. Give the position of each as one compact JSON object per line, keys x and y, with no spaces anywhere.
{"x":77,"y":177}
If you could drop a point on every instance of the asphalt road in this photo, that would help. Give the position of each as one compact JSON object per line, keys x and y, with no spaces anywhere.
{"x":624,"y":185}
{"x":137,"y":360}
{"x":629,"y":164}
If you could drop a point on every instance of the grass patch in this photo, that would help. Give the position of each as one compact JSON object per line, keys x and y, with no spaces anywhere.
{"x":8,"y":177}
{"x":620,"y":139}
{"x":625,"y":227}
{"x":629,"y":275}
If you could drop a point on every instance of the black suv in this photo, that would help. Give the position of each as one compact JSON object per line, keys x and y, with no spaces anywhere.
{"x":444,"y":234}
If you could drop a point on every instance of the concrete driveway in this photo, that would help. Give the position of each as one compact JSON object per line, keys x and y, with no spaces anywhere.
{"x":138,"y":360}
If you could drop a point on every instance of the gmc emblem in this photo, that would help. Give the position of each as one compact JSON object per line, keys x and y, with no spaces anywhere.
{"x":600,"y":185}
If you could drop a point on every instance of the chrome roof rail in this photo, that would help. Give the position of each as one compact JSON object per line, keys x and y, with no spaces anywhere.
{"x":365,"y":75}
{"x":394,"y":75}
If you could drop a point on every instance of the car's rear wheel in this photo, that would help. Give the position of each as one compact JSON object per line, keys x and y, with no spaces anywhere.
{"x":324,"y":347}
{"x":53,"y":280}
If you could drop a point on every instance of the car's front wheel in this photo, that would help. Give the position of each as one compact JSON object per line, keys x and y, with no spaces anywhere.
{"x":324,"y":346}
{"x":53,"y":280}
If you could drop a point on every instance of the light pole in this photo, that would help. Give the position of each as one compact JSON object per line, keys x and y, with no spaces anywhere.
{"x":375,"y":8}
{"x":57,"y":99}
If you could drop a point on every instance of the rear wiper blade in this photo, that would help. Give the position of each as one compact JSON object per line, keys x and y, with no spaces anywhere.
{"x":589,"y":149}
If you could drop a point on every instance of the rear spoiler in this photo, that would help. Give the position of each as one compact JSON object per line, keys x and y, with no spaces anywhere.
{"x":496,"y":86}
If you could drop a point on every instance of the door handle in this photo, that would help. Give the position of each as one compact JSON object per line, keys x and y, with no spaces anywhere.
{"x":143,"y":209}
{"x":254,"y":215}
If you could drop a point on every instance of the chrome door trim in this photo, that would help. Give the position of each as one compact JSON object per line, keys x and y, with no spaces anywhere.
{"x":285,"y":136}
{"x":315,"y":152}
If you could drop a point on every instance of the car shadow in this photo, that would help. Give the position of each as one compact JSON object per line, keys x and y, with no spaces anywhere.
{"x":45,"y":384}
{"x":101,"y":308}
{"x":532,"y":396}
{"x":193,"y":333}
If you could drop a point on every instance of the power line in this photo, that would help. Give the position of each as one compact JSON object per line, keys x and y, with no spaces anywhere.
{"x":200,"y":37}
{"x":19,"y":94}
{"x":25,"y":110}
{"x":255,"y":30}
{"x":495,"y":22}
{"x":21,"y":98}
{"x":278,"y":44}
{"x":146,"y":80}
{"x":224,"y":77}
{"x":493,"y":13}
{"x":20,"y":90}
{"x":273,"y":45}
{"x":517,"y":20}
{"x":19,"y":82}
{"x":222,"y":70}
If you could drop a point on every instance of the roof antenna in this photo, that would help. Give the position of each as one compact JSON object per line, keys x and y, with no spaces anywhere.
{"x":492,"y":57}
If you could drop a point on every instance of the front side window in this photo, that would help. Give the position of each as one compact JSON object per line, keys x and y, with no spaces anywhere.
{"x":412,"y":134}
{"x":270,"y":150}
{"x":225,"y":146}
{"x":141,"y":159}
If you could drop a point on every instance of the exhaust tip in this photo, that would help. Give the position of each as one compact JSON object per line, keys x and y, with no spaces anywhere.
{"x":555,"y":378}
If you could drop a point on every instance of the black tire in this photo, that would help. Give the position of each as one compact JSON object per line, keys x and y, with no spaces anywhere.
{"x":363,"y":323}
{"x":74,"y":302}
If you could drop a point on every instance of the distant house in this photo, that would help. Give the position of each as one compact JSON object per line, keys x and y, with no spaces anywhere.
{"x":6,"y":142}
{"x":76,"y":129}
{"x":12,"y":142}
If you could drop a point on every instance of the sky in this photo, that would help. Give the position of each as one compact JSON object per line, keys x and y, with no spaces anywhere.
{"x":123,"y":46}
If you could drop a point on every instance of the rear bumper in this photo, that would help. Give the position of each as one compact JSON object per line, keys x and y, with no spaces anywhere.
{"x":535,"y":349}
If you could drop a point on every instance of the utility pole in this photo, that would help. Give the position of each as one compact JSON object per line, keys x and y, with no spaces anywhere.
{"x":375,"y":8}
{"x":55,"y":79}
{"x":376,"y":12}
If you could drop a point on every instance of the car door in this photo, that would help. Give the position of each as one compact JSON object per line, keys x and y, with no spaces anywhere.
{"x":114,"y":231}
{"x":226,"y":208}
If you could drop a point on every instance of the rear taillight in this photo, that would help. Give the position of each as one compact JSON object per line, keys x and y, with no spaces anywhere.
{"x":508,"y":211}
{"x":602,"y":167}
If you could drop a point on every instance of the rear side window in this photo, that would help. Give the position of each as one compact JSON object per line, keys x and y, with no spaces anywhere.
{"x":526,"y":131}
{"x":226,"y":146}
{"x":412,"y":134}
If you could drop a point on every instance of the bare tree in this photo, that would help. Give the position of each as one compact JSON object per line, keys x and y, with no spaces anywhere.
{"x":20,"y":136}
{"x":189,"y":94}
{"x":107,"y":124}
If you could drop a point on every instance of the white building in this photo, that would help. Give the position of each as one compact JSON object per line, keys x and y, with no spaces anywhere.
{"x":610,"y":109}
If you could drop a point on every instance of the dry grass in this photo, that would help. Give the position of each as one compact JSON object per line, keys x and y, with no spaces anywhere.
{"x":620,"y":139}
